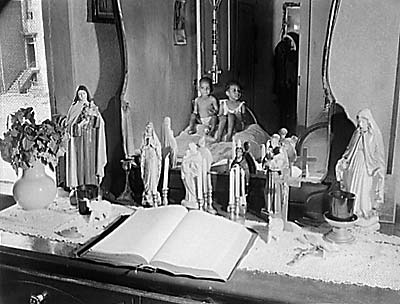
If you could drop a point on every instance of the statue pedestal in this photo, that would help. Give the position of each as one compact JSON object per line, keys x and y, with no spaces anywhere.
{"x":340,"y":233}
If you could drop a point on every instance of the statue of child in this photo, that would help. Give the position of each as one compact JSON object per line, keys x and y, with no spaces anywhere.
{"x":205,"y":108}
{"x":231,"y":110}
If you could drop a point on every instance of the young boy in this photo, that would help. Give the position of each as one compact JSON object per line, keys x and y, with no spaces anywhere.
{"x":205,"y":108}
{"x":231,"y":110}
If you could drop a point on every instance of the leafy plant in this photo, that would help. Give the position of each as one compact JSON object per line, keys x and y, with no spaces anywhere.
{"x":26,"y":142}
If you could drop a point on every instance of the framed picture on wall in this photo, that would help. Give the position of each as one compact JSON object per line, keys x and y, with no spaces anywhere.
{"x":179,"y":22}
{"x":100,"y":11}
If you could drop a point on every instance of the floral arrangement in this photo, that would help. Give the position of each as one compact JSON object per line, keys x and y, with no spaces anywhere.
{"x":26,"y":142}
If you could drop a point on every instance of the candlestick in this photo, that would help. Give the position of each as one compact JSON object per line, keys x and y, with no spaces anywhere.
{"x":166,"y":170}
{"x":165,"y":197}
{"x":200,"y":186}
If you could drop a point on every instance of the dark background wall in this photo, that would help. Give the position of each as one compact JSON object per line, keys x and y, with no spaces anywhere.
{"x":160,"y":74}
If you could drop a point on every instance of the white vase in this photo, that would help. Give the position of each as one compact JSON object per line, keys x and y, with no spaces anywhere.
{"x":35,"y":189}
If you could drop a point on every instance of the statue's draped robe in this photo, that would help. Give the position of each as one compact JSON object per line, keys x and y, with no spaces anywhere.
{"x":277,"y":172}
{"x":86,"y":156}
{"x":190,"y":173}
{"x":365,"y":157}
{"x":150,"y":165}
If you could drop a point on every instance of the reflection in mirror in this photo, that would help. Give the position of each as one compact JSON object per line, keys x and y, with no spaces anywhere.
{"x":314,"y":145}
{"x":286,"y":66}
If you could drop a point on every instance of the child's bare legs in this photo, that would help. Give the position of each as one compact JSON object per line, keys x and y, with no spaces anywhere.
{"x":221,"y":126}
{"x":231,"y":126}
{"x":192,"y":123}
{"x":212,"y":125}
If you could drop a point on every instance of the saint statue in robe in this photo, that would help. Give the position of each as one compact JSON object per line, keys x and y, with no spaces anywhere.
{"x":276,"y":164}
{"x":86,"y":155}
{"x":361,"y":169}
{"x":191,"y":174}
{"x":150,"y":166}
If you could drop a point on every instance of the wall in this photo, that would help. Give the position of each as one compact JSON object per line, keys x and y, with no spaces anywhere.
{"x":12,"y":49}
{"x":160,"y":74}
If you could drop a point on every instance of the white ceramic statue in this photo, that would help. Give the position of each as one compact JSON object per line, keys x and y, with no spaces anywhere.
{"x":150,"y":165}
{"x":361,"y":169}
{"x":191,"y":174}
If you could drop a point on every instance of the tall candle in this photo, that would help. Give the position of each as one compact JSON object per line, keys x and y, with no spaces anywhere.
{"x":243,"y":182}
{"x":209,"y":184}
{"x":231,"y":181}
{"x":166,"y":169}
{"x":237,"y":182}
{"x":262,"y":152}
{"x":204,"y":176}
{"x":200,"y":183}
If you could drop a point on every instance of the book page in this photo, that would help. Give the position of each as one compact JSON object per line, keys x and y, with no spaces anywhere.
{"x":142,"y":234}
{"x":203,"y":245}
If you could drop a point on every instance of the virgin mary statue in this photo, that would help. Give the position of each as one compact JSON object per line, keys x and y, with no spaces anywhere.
{"x":150,"y":166}
{"x":361,"y":169}
{"x":86,"y":155}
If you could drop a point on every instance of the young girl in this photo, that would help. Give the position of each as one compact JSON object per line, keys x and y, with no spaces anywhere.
{"x":231,"y":110}
{"x":205,"y":108}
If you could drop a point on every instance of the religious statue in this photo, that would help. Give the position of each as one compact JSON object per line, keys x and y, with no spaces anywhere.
{"x":361,"y":170}
{"x":150,"y":166}
{"x":276,"y":164}
{"x":207,"y":160}
{"x":191,"y":174}
{"x":251,"y":162}
{"x":242,"y":162}
{"x":86,"y":156}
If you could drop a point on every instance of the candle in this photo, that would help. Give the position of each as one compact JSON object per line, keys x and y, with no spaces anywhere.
{"x":243,"y":182}
{"x":262,"y":152}
{"x":237,"y":182}
{"x":200,"y":183}
{"x":166,"y":169}
{"x":231,"y":181}
{"x":209,"y":184}
{"x":204,"y":176}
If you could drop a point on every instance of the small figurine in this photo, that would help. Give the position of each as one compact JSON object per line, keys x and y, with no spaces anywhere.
{"x":191,"y":174}
{"x":242,"y":162}
{"x":276,"y":164}
{"x":206,"y":175}
{"x":251,"y":162}
{"x":150,"y":165}
{"x":361,"y":170}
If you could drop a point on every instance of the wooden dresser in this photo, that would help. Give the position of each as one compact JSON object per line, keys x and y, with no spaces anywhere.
{"x":37,"y":270}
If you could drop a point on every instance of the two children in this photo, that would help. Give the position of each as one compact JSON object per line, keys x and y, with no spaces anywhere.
{"x":230,"y":111}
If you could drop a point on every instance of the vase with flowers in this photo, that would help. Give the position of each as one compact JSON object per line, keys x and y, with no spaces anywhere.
{"x":30,"y":146}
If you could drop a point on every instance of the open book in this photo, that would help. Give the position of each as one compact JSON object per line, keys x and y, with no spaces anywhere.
{"x":181,"y":242}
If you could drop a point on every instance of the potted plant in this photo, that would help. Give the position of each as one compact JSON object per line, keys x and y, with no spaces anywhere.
{"x":32,"y":146}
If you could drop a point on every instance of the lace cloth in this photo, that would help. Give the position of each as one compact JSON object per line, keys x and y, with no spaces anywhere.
{"x":372,"y":260}
{"x":60,"y":221}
